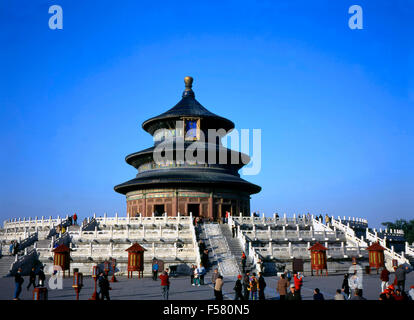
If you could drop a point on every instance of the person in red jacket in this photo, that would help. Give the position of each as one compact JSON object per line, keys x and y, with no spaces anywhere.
{"x":165,"y":284}
{"x":298,"y":281}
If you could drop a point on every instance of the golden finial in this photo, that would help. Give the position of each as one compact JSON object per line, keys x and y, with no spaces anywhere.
{"x":188,"y":83}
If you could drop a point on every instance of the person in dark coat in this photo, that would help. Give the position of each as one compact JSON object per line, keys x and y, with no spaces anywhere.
{"x":246,"y":286}
{"x":233,"y":230}
{"x":32,"y":278}
{"x":18,"y":281}
{"x":400,"y":273}
{"x":243,"y":261}
{"x":16,"y":248}
{"x":42,"y":278}
{"x":238,"y":288}
{"x":345,"y":286}
{"x":317,"y":295}
{"x":104,"y":286}
{"x":293,"y":294}
{"x":261,"y":287}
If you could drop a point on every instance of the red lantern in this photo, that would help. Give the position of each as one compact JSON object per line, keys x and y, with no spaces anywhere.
{"x":318,"y":258}
{"x":113,"y":279}
{"x":376,"y":256}
{"x":136,"y":260}
{"x":62,"y":258}
{"x":77,"y":283}
{"x":40,"y":293}
{"x":95,"y":278}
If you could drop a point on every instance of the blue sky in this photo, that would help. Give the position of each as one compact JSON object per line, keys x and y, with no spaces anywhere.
{"x":335,"y":105}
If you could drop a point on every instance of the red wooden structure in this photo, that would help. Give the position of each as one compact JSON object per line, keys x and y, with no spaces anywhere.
{"x":136,"y":260}
{"x":61,"y":258}
{"x":376,"y":256}
{"x":318,"y":258}
{"x":77,"y":283}
{"x":95,"y":279}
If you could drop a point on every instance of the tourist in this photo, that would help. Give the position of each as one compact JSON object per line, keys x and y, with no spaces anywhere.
{"x":75,"y":219}
{"x":411,"y":293}
{"x":357,"y":295}
{"x":243,"y":262}
{"x":218,"y":287}
{"x":253,"y":287}
{"x":32,"y":278}
{"x":165,"y":285}
{"x":259,"y":266}
{"x":227,"y":217}
{"x":345,"y":286}
{"x":400,"y":295}
{"x":385,"y":277}
{"x":320,"y":218}
{"x":339,"y":295}
{"x":238,"y":287}
{"x":261,"y":285}
{"x":233,"y":230}
{"x":298,"y":281}
{"x":192,"y":273}
{"x":104,"y":286}
{"x":16,"y":248}
{"x":214,"y":276}
{"x":155,"y":268}
{"x":11,"y":248}
{"x":293,"y":294}
{"x":196,"y":277}
{"x":317,"y":295}
{"x":201,"y":271}
{"x":201,"y":246}
{"x":204,"y":258}
{"x":246,"y":285}
{"x":42,"y":278}
{"x":18,"y":281}
{"x":276,"y":216}
{"x":70,"y":220}
{"x":288,"y":275}
{"x":282,"y":286}
{"x":400,"y":273}
{"x":355,"y":283}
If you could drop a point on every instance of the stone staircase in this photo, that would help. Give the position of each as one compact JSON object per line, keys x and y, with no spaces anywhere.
{"x":235,"y":248}
{"x":5,"y":264}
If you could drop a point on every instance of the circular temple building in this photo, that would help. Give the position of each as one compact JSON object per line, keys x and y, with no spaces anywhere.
{"x":188,"y":169}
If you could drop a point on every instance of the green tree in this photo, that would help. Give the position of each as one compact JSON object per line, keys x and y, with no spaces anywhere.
{"x":406,"y":226}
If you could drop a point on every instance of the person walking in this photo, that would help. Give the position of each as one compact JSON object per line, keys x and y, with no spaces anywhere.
{"x":385,"y":278}
{"x":18,"y":281}
{"x":345,"y":286}
{"x":233,"y":230}
{"x":104,"y":286}
{"x":165,"y":285}
{"x":317,"y":295}
{"x":243,"y":261}
{"x":11,"y":247}
{"x":293,"y":295}
{"x":282,"y":286}
{"x":75,"y":219}
{"x":261,"y":285}
{"x":400,"y":273}
{"x":41,"y":277}
{"x":16,"y":248}
{"x":238,"y":287}
{"x":32,"y":279}
{"x":246,"y":285}
{"x":155,"y":268}
{"x":218,"y":293}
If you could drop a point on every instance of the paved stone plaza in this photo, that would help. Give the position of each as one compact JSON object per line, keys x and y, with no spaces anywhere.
{"x":181,"y":289}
